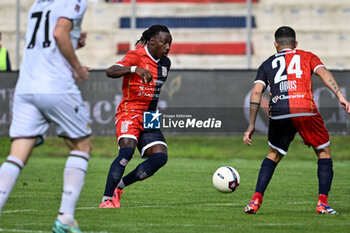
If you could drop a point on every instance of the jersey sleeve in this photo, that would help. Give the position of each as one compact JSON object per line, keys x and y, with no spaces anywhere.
{"x":315,"y":62}
{"x":132,"y":58}
{"x":261,"y":76}
{"x":70,"y":9}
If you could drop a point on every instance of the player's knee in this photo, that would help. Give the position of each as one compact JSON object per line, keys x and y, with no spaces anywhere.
{"x":151,"y":166}
{"x":158,"y":160}
{"x":144,"y":172}
{"x":84,"y":145}
{"x":118,"y":166}
{"x":124,"y":156}
{"x":78,"y":160}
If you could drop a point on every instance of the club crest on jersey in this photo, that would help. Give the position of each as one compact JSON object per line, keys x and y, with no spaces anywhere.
{"x":164,"y":71}
{"x":125,"y":126}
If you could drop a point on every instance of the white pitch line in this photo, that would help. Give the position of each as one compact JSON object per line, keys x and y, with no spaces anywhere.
{"x":38,"y":231}
{"x":20,"y":230}
{"x":17,"y":211}
{"x":170,"y":205}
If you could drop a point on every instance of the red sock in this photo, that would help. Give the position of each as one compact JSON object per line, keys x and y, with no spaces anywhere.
{"x":258,"y":195}
{"x":323,"y":198}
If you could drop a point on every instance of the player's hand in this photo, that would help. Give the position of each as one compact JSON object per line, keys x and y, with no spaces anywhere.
{"x":345,"y":104}
{"x":81,"y":73}
{"x":247,"y":138}
{"x":81,"y":40}
{"x":145,"y":75}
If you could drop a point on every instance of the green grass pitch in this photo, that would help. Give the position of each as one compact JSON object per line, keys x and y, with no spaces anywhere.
{"x":180,"y":197}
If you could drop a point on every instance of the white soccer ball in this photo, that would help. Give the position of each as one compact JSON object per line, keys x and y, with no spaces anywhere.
{"x":226,"y":179}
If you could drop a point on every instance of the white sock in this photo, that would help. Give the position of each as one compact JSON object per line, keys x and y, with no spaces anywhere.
{"x":105,"y":198}
{"x":9,"y":171}
{"x":74,"y":174}
{"x":66,"y":219}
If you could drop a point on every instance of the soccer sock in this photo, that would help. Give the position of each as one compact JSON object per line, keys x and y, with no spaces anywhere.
{"x":121,"y":184}
{"x":325,"y":175}
{"x":73,"y":182}
{"x":146,"y":168}
{"x":266,"y":171}
{"x":323,"y":198}
{"x":117,"y":169}
{"x":259,"y":196}
{"x":9,"y":172}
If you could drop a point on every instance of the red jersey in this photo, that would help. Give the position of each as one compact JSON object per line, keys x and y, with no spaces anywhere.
{"x":139,"y":96}
{"x":288,"y":73}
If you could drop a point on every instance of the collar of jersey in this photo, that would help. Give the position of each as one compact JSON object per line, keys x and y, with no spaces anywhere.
{"x":287,"y":49}
{"x":156,"y":61}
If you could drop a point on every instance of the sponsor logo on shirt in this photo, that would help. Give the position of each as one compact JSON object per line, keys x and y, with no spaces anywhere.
{"x":276,"y":98}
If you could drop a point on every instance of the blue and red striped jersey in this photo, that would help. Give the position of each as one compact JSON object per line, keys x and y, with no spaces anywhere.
{"x":288,"y":74}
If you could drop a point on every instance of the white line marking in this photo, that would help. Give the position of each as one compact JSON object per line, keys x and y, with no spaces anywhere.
{"x":17,"y":211}
{"x":20,"y":230}
{"x":38,"y":231}
{"x":171,"y":205}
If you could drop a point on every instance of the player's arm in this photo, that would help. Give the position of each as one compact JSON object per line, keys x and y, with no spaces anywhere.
{"x":255,"y":99}
{"x":61,"y":34}
{"x":117,"y":71}
{"x":329,"y":80}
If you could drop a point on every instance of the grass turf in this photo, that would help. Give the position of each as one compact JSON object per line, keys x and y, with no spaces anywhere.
{"x":180,"y":197}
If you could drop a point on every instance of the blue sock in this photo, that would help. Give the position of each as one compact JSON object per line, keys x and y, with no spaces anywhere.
{"x":116,"y":170}
{"x":266,"y":171}
{"x":146,"y":168}
{"x":325,"y":175}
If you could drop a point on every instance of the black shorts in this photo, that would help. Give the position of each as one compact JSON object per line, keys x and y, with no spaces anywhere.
{"x":149,"y":138}
{"x":281,"y":133}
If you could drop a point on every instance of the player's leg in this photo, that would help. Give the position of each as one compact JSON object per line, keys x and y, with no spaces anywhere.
{"x":71,"y":120}
{"x":73,"y":178}
{"x":156,"y":158}
{"x":314,"y":133}
{"x":153,"y":148}
{"x":281,"y":133}
{"x":26,"y":127}
{"x":325,"y":177}
{"x":128,"y":127}
{"x":267,"y":169}
{"x":127,"y":147}
{"x":11,"y":168}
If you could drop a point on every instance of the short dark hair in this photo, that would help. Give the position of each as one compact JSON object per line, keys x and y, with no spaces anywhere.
{"x":152,"y":31}
{"x":285,"y":36}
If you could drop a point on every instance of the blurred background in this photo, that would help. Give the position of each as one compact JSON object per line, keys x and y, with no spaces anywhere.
{"x":217,"y":47}
{"x":207,"y":34}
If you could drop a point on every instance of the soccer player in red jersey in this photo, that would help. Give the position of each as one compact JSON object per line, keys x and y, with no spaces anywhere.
{"x":144,"y":70}
{"x":291,"y":110}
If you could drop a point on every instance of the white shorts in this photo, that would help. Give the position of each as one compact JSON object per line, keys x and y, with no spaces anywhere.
{"x":32,"y":114}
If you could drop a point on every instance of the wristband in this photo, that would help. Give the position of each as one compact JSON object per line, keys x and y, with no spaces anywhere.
{"x":133,"y":69}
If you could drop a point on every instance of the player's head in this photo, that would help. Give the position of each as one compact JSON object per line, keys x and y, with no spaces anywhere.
{"x":285,"y":38}
{"x":158,"y":40}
